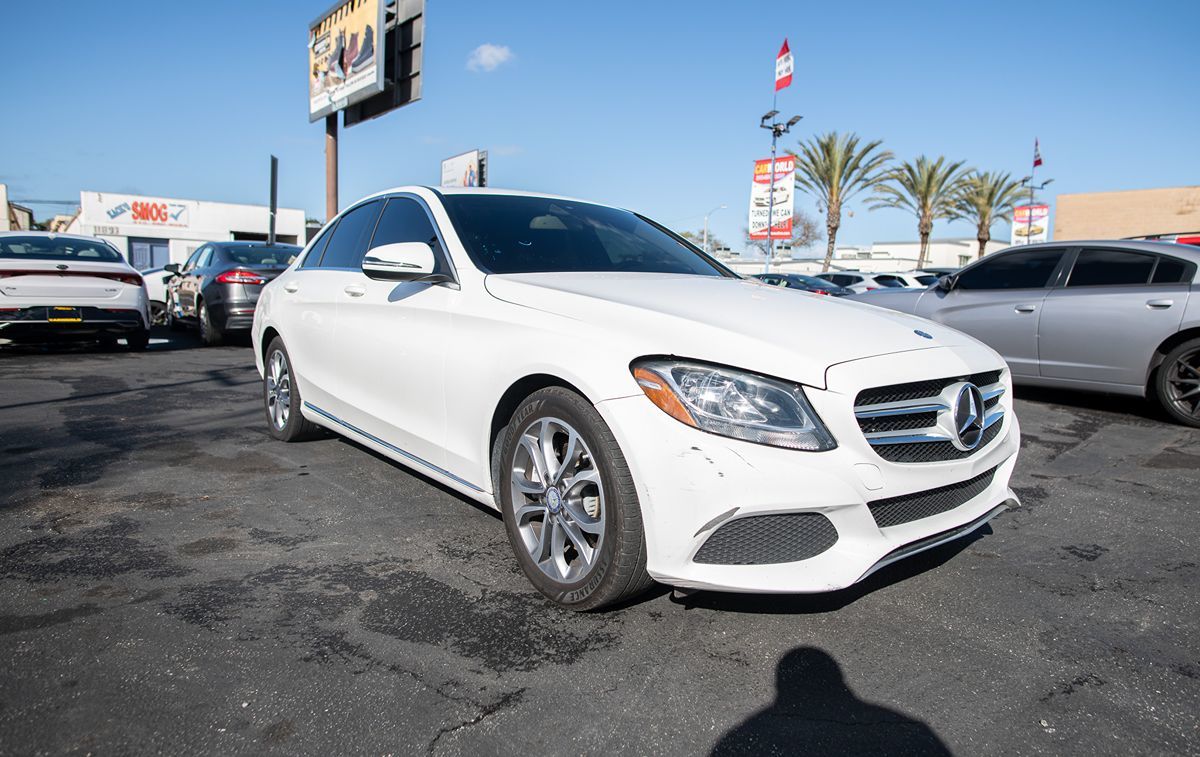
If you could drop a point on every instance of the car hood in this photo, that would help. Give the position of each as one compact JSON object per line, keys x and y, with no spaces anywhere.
{"x":780,"y":332}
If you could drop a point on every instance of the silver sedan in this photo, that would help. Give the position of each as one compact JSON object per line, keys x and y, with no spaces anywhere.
{"x":1110,"y":316}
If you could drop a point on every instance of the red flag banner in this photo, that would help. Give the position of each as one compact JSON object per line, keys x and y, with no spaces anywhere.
{"x":783,"y":67}
{"x":1037,"y":154}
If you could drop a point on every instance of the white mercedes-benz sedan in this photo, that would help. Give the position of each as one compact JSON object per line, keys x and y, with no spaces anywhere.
{"x":66,"y":287}
{"x":636,"y":411}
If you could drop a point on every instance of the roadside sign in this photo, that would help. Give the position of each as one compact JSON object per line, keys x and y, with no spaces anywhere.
{"x":345,"y":47}
{"x":1031,"y":224}
{"x":762,"y":204}
{"x":466,"y":170}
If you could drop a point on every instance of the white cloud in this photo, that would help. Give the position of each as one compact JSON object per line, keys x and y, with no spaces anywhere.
{"x":487,"y":57}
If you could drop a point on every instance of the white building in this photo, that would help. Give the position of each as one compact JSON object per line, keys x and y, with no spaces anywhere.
{"x":154,"y":231}
{"x":879,"y":256}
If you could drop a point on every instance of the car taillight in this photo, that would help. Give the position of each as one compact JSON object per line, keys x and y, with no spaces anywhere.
{"x":240,"y":277}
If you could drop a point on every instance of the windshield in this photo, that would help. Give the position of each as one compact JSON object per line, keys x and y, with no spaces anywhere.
{"x":514,"y":234}
{"x":257,"y":255}
{"x":57,"y":248}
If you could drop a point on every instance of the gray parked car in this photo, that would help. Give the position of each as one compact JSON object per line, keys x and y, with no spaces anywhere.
{"x":217,"y":289}
{"x":1111,"y":316}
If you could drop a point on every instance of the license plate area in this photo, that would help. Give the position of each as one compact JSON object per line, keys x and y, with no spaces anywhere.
{"x":64,"y":315}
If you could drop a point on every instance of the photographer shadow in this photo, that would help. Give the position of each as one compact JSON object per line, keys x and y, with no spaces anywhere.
{"x":816,"y":713}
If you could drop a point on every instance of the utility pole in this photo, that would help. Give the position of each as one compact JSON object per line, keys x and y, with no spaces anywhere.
{"x":331,"y":166}
{"x":706,"y":215}
{"x":274,"y":198}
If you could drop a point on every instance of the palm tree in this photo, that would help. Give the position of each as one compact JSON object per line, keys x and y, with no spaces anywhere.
{"x":985,"y":199}
{"x":927,"y":189}
{"x":834,"y":168}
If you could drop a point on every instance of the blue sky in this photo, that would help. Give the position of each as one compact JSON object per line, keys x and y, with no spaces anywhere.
{"x":648,"y":105}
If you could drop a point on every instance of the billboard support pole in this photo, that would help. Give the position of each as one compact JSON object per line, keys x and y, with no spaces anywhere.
{"x":331,"y":166}
{"x":274,"y":198}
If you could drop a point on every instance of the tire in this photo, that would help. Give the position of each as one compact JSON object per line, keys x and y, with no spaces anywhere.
{"x":158,"y":313}
{"x":1177,"y":383}
{"x":604,"y":513}
{"x":210,"y":333}
{"x":138,"y":340}
{"x":294,"y":426}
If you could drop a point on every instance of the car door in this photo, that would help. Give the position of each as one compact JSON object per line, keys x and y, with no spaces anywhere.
{"x":307,"y":300}
{"x":1114,"y":310}
{"x":998,"y":301}
{"x":392,"y":339}
{"x":185,"y":287}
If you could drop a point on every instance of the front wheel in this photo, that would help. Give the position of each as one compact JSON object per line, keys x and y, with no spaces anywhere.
{"x":569,"y":503}
{"x":281,"y":398}
{"x":1177,"y":383}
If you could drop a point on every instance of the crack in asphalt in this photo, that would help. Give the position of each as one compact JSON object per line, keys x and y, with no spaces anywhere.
{"x":507,"y":700}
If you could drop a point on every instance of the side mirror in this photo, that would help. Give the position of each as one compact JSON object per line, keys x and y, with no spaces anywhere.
{"x":946,"y":283}
{"x":402,"y":261}
{"x":172,"y":268}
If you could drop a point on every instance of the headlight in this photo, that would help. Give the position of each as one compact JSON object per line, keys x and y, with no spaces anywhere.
{"x":734,"y":403}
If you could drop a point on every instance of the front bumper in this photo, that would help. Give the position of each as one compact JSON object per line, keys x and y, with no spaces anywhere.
{"x":691,"y":483}
{"x":47,"y":324}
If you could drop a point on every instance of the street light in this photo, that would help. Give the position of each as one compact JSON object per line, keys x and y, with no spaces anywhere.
{"x":777,"y":131}
{"x":1028,"y":182}
{"x":706,"y":215}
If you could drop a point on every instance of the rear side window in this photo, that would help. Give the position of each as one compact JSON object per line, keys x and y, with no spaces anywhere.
{"x":927,"y":279}
{"x":56,"y":248}
{"x":348,"y":243}
{"x":1094,"y":268}
{"x":404,"y":220}
{"x":890,"y":281}
{"x":1017,"y":270}
{"x":1173,"y":271}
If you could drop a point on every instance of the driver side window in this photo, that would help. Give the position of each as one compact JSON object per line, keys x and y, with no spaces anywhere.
{"x":405,"y":220}
{"x":191,"y":262}
{"x":1029,"y":269}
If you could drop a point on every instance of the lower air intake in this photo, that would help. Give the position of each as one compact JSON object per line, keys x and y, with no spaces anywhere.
{"x":896,"y":510}
{"x":768,"y":539}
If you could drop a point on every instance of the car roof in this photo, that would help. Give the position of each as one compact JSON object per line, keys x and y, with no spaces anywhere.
{"x":497,"y":191}
{"x":239,"y":243}
{"x":51,"y":235}
{"x":1188,"y":251}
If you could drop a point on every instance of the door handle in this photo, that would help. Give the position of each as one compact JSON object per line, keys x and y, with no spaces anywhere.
{"x":1025,"y":308}
{"x":1159,"y":304}
{"x":354,"y":290}
{"x":291,"y":286}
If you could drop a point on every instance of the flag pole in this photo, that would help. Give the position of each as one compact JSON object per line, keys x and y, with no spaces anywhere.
{"x":1032,"y":183}
{"x":771,"y":194}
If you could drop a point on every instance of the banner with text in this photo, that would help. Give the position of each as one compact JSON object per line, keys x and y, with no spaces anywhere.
{"x":1031,"y":224}
{"x":779,"y":206}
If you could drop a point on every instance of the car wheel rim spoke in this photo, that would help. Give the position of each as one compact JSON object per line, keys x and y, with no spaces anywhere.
{"x":557,"y":499}
{"x":279,"y":390}
{"x":1183,"y":384}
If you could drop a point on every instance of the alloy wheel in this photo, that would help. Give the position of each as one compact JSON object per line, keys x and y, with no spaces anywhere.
{"x":1183,"y":384}
{"x":558,"y":499}
{"x":279,"y":390}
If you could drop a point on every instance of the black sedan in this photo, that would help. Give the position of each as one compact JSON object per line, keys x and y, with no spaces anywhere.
{"x":803,"y":283}
{"x":217,"y":288}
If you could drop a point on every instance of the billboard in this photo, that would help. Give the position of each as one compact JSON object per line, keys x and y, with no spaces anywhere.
{"x":466,"y":170}
{"x":403,"y":50}
{"x":344,"y":52}
{"x":761,"y":201}
{"x":1030,"y":224}
{"x":109,"y":212}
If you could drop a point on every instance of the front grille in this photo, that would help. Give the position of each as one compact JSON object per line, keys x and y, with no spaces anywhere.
{"x":913,"y":422}
{"x":768,"y":539}
{"x":933,"y":452}
{"x":904,"y":509}
{"x":918,"y":389}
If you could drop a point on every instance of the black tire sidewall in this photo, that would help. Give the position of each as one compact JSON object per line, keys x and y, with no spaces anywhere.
{"x":1161,"y":390}
{"x":557,"y":404}
{"x":291,"y":429}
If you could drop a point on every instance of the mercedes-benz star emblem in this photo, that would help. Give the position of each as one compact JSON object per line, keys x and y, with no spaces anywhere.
{"x":968,"y":416}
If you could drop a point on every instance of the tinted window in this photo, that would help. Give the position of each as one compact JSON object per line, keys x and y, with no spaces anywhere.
{"x":194,"y":260}
{"x":313,"y":258}
{"x":56,"y":248}
{"x":1173,"y":271}
{"x":404,"y":220}
{"x":927,"y":279}
{"x":889,"y":281}
{"x":1095,"y":268}
{"x":511,"y":234}
{"x":260,"y":255}
{"x":348,"y":243}
{"x":1016,"y":270}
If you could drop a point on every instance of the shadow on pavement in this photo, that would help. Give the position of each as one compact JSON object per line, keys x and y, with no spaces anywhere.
{"x":815,"y":712}
{"x":1108,"y":403}
{"x":162,"y":339}
{"x":812,"y":604}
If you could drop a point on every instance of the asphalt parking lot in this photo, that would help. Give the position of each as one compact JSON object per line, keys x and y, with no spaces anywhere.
{"x":172,"y":580}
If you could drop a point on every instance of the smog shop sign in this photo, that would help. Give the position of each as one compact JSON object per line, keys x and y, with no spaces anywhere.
{"x":112,"y":210}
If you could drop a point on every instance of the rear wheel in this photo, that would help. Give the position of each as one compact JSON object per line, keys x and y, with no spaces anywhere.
{"x":1177,"y":383}
{"x":281,"y":398}
{"x":158,"y":313}
{"x":569,"y":504}
{"x":210,"y":333}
